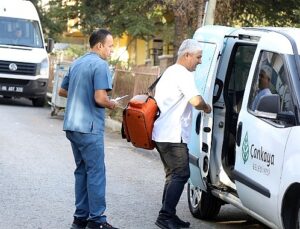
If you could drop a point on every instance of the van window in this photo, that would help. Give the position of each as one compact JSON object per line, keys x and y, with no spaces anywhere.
{"x":234,"y":87}
{"x":21,"y":32}
{"x":238,"y":72}
{"x":202,"y":70}
{"x":271,"y":76}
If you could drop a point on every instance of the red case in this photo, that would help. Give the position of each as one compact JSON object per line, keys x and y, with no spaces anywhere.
{"x":138,"y":121}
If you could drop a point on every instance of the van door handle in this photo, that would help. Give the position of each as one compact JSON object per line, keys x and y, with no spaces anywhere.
{"x":239,"y":133}
{"x":218,"y":83}
{"x":204,"y":147}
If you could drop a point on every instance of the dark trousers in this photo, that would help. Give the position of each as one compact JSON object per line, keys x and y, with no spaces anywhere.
{"x":175,"y":159}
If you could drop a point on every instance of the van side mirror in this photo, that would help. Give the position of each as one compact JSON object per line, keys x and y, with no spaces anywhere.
{"x":269,"y":104}
{"x":50,"y":45}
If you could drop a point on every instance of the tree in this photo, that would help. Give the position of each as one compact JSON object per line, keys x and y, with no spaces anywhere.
{"x":54,"y":20}
{"x":137,"y":18}
{"x":188,"y":15}
{"x":92,"y":14}
{"x":142,"y":19}
{"x":258,"y":13}
{"x":173,"y":20}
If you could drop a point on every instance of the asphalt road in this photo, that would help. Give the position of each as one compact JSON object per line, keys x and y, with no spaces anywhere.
{"x":36,"y":177}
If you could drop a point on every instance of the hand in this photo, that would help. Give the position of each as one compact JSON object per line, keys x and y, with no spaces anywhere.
{"x":116,"y":103}
{"x":207,"y":108}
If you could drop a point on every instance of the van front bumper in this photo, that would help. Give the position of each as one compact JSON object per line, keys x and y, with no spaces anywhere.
{"x":23,"y":88}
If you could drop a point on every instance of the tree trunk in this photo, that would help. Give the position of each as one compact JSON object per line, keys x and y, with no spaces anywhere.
{"x":188,"y":15}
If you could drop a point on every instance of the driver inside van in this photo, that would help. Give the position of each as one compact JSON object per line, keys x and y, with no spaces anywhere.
{"x":18,"y":33}
{"x":264,"y":81}
{"x":18,"y":36}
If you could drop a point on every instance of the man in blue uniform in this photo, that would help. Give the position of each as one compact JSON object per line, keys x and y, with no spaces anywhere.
{"x":85,"y":86}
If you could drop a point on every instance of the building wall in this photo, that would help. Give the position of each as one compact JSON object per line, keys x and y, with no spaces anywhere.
{"x":141,"y":52}
{"x":134,"y":51}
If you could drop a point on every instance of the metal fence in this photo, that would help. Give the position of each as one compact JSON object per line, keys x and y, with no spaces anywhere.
{"x":125,"y":82}
{"x":133,"y":82}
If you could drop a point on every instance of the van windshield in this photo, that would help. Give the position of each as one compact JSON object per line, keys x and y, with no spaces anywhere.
{"x":20,"y":32}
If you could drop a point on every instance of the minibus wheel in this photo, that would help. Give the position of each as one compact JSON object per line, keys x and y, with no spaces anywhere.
{"x":38,"y":102}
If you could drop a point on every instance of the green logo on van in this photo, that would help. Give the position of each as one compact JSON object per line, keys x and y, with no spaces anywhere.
{"x":245,"y":148}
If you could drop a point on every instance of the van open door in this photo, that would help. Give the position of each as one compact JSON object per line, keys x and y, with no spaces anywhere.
{"x":212,"y":39}
{"x":203,"y":204}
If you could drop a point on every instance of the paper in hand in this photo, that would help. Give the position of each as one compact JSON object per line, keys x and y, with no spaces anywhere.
{"x":120,"y":98}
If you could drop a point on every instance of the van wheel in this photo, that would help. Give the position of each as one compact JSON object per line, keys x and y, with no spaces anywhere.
{"x":292,"y":219}
{"x":298,"y":216}
{"x":38,"y":102}
{"x":202,"y":205}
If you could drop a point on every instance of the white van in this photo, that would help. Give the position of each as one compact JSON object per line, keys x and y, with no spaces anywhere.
{"x":239,"y":154}
{"x":24,"y":63}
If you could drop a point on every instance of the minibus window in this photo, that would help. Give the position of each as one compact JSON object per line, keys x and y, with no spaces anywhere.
{"x":20,"y":32}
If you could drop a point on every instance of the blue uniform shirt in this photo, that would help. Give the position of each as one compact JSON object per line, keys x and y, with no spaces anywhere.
{"x":87,"y":74}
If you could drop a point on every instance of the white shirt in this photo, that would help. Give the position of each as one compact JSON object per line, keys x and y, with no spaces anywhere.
{"x":172,"y":94}
{"x":261,"y":93}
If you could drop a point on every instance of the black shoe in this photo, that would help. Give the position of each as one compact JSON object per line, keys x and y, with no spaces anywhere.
{"x":79,"y":223}
{"x":94,"y":225}
{"x":180,"y":222}
{"x":167,"y":224}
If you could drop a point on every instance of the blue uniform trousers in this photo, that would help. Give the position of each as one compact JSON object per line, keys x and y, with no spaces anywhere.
{"x":90,"y":180}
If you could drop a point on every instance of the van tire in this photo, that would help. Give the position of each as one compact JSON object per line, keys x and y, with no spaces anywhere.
{"x":297,"y":212}
{"x":202,"y":205}
{"x":38,"y":102}
{"x":292,"y":216}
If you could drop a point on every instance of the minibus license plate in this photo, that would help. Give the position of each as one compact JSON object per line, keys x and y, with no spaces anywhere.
{"x":11,"y":88}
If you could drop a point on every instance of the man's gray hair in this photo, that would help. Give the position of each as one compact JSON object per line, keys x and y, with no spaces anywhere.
{"x":189,"y":46}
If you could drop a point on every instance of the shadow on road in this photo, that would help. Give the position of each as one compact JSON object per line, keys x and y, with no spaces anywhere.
{"x":234,"y":218}
{"x":15,"y":102}
{"x":240,"y":223}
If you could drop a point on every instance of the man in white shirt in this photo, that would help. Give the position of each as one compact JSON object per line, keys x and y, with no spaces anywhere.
{"x":176,"y":94}
{"x":264,"y":81}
